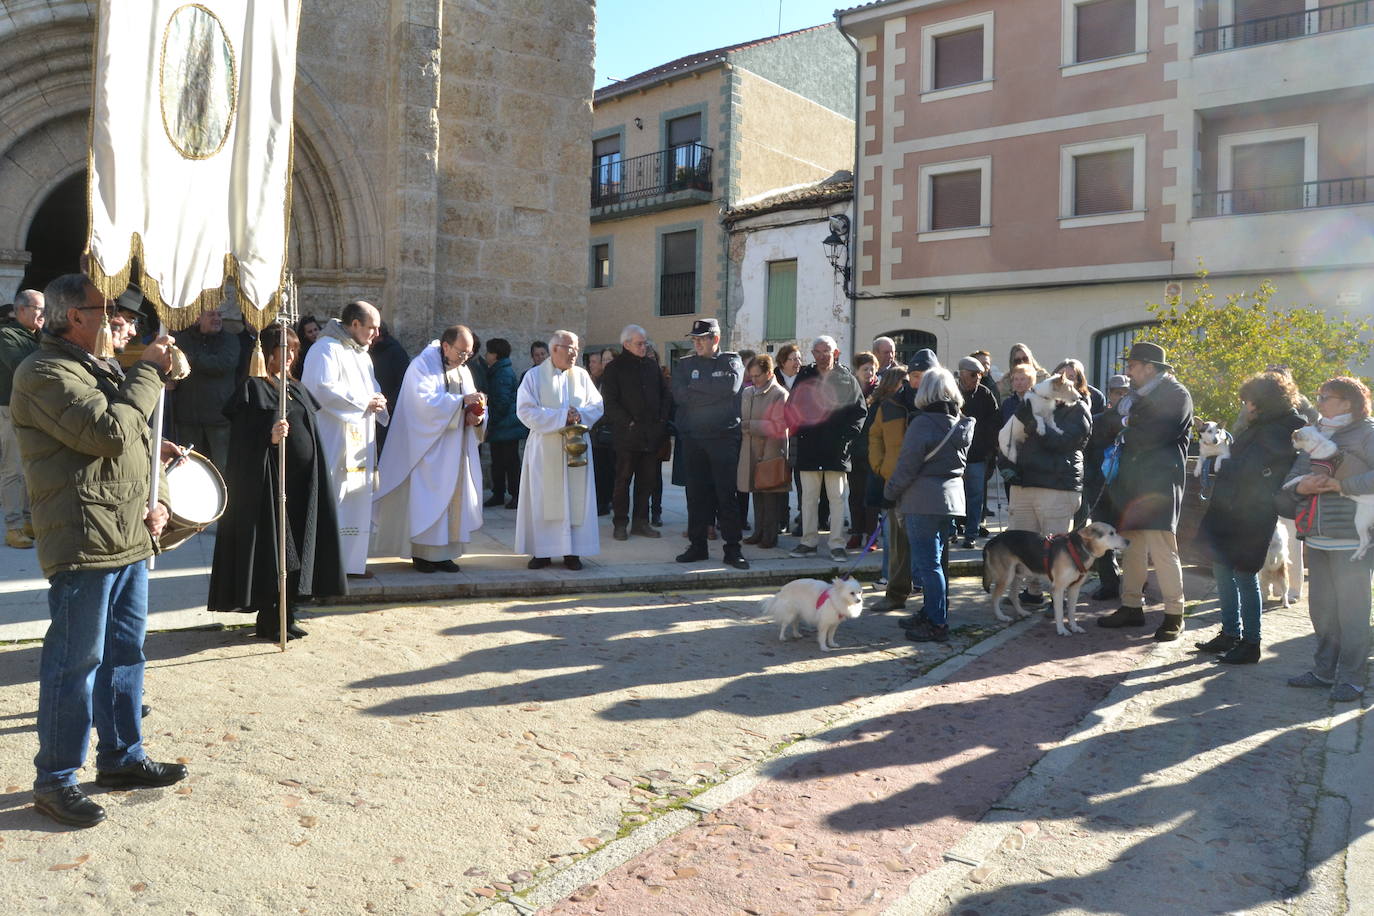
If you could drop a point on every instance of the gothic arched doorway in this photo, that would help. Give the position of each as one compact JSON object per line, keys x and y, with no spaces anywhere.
{"x":57,"y":235}
{"x":909,"y":341}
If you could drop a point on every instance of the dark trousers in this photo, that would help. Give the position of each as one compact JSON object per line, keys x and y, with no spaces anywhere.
{"x":770,"y":511}
{"x":656,"y":497}
{"x":862,"y":518}
{"x":711,"y":468}
{"x":642,"y":468}
{"x":603,"y":466}
{"x":505,"y":468}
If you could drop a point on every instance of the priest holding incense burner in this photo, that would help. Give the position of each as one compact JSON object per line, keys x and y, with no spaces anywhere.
{"x":557,"y":505}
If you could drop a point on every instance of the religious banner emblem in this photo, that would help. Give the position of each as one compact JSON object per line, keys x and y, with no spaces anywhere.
{"x":190,"y":159}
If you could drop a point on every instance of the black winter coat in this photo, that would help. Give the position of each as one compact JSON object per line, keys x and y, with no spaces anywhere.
{"x":982,"y":406}
{"x":824,"y":415}
{"x":1053,"y":461}
{"x":1240,"y":516}
{"x":1148,"y":491}
{"x":638,"y":402}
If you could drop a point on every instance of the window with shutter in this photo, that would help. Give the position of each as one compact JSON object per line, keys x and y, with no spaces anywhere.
{"x":956,"y":200}
{"x":1103,"y":182}
{"x":1104,"y":28}
{"x":958,"y":58}
{"x":1267,"y":176}
{"x":678,"y":281}
{"x":781,"y":319}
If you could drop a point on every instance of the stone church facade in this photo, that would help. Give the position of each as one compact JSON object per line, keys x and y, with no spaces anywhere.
{"x":440,"y":158}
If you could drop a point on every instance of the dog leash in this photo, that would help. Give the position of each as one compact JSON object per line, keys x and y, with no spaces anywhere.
{"x":877,"y":529}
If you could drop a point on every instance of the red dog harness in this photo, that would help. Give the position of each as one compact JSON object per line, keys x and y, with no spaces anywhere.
{"x":824,"y":596}
{"x":1074,"y":553}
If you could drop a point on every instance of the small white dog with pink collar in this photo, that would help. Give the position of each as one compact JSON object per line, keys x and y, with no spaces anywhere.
{"x":819,"y":604}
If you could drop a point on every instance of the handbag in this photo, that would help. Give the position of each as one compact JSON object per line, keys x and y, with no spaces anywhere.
{"x":771,"y":474}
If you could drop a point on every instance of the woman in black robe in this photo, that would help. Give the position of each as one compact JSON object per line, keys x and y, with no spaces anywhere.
{"x":245,"y":576}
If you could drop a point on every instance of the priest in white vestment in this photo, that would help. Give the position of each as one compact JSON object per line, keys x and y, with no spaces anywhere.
{"x":429,"y":500}
{"x":557,"y":506}
{"x":338,"y":372}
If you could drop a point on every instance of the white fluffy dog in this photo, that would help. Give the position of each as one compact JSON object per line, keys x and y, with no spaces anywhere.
{"x":1044,"y":398}
{"x":1274,"y":574}
{"x":1213,"y":442}
{"x":815,"y":603}
{"x":1311,"y":440}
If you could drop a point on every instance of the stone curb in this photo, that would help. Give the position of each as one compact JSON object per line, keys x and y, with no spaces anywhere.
{"x":616,"y":853}
{"x":506,"y":584}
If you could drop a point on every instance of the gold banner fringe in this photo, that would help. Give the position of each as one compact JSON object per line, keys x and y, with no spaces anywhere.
{"x":111,"y":285}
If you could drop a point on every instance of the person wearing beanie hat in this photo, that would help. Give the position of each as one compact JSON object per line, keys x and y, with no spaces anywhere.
{"x":1148,"y":489}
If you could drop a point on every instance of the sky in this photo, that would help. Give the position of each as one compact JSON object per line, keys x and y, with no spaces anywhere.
{"x":634,"y":35}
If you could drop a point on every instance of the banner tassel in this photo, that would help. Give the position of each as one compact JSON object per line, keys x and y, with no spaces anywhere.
{"x":257,"y":366}
{"x":104,"y":339}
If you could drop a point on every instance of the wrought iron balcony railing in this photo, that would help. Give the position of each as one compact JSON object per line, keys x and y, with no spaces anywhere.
{"x":677,"y":294}
{"x":1251,"y":32}
{"x":681,"y":168}
{"x":1333,"y":192}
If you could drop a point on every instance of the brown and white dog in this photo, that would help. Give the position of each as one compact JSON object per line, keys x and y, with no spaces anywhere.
{"x":1044,"y":398}
{"x":1063,"y":560}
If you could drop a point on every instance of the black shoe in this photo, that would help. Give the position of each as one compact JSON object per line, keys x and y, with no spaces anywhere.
{"x":144,"y":710}
{"x":1222,"y":642}
{"x":968,"y":544}
{"x":68,"y":805}
{"x":1243,"y":653}
{"x":1106,"y":593}
{"x":295,"y":630}
{"x":1171,"y":628}
{"x":913,"y":621}
{"x":1029,"y":600}
{"x":142,"y":775}
{"x":494,"y":501}
{"x":1123,"y":616}
{"x":512,"y":503}
{"x":424,"y":566}
{"x":928,"y":632}
{"x":736,"y":559}
{"x":572,"y":561}
{"x":620,"y":532}
{"x":269,"y":626}
{"x":447,"y":566}
{"x":537,"y":563}
{"x":693,"y":554}
{"x":657,"y":520}
{"x":982,"y":531}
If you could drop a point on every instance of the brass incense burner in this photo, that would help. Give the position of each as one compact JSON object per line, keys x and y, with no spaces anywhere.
{"x":575,"y":444}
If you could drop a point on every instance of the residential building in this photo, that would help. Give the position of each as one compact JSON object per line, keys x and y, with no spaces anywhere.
{"x":674,"y":146}
{"x":1040,"y":170}
{"x":434,"y":160}
{"x":785,"y":288}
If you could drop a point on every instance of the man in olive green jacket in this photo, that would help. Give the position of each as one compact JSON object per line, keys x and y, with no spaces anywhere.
{"x":18,"y":338}
{"x":82,"y":426}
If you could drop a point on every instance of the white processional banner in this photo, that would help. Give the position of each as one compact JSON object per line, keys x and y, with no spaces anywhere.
{"x":190,"y":160}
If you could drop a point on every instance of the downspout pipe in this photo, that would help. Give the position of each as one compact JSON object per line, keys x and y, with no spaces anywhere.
{"x":854,"y":254}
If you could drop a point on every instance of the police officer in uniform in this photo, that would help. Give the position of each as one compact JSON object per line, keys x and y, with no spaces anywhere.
{"x":706,"y":390}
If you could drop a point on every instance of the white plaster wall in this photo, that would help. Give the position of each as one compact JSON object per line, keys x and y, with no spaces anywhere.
{"x":1059,"y":322}
{"x":821,"y":304}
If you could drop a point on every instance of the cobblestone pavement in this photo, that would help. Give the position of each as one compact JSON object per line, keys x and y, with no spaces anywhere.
{"x":663,"y":754}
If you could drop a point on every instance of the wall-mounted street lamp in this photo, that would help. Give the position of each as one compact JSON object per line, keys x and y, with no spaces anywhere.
{"x":837,"y":250}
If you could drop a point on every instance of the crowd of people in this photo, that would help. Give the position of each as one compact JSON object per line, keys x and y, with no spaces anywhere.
{"x":390,"y":456}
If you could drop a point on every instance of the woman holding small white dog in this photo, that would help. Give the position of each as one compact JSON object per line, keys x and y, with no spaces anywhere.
{"x":927,"y":486}
{"x":1240,"y":518}
{"x":1338,"y":597}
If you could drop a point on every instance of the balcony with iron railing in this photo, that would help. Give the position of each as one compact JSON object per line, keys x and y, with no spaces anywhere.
{"x":1331,"y":192}
{"x":1251,"y":32}
{"x":679,"y":176}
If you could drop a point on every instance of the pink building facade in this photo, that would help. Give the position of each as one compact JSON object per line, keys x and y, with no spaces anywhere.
{"x":1040,"y":170}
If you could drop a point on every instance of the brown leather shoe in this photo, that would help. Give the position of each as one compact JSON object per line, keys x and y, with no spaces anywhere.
{"x":17,"y":539}
{"x":753,"y":538}
{"x":642,"y":529}
{"x":1170,"y":629}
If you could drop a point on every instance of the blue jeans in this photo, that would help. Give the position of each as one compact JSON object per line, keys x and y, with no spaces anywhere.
{"x":975,"y":486}
{"x":929,"y":537}
{"x":91,"y":670}
{"x":1239,"y":594}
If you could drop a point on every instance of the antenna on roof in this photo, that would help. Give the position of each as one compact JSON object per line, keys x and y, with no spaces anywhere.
{"x":779,"y":17}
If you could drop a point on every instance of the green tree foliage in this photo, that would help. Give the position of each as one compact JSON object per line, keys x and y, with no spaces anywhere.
{"x":1214,"y":347}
